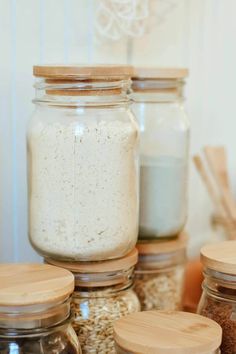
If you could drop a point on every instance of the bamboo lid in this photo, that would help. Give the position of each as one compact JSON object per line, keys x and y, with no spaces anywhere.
{"x":161,"y":247}
{"x":30,"y":284}
{"x":159,"y":73}
{"x":220,"y":257}
{"x":160,"y":332}
{"x":112,"y":265}
{"x":83,"y":72}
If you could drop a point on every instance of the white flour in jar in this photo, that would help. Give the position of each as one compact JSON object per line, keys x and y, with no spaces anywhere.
{"x":84,"y":188}
{"x":162,"y":196}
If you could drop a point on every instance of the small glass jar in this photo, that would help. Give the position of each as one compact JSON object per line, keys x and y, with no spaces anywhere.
{"x":83,"y":164}
{"x":166,"y":333}
{"x":35,"y":315}
{"x":160,"y":274}
{"x":158,"y":107}
{"x":218,"y":300}
{"x":103,"y":293}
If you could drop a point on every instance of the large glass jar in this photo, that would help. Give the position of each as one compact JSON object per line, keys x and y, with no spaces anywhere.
{"x":169,"y":332}
{"x":83,"y":165}
{"x":218,"y":300}
{"x":160,"y":274}
{"x":103,"y":293}
{"x":35,"y":315}
{"x":158,"y":106}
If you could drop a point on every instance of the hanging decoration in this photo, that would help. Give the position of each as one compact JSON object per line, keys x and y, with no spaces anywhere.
{"x":116,"y":19}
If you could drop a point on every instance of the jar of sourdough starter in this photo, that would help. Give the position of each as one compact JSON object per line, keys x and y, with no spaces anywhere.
{"x":35,"y":316}
{"x":159,"y":332}
{"x":158,"y":106}
{"x":160,"y":274}
{"x":103,"y":293}
{"x":218,"y":300}
{"x":83,"y":165}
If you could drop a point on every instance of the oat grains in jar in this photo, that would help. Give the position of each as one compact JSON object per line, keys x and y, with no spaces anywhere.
{"x":160,"y":273}
{"x":103,"y":293}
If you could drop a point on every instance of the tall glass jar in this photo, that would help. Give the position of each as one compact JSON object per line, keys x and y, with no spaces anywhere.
{"x":103,"y":293}
{"x":158,"y":106}
{"x":169,"y":332}
{"x":83,"y":164}
{"x":160,"y":274}
{"x":35,"y":315}
{"x":218,"y":300}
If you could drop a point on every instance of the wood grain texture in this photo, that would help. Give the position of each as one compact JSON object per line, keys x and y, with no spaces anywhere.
{"x":159,"y":332}
{"x":28,"y":284}
{"x":163,"y":246}
{"x":220,"y":257}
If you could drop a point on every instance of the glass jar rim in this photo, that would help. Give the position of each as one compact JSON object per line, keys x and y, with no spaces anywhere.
{"x":34,"y":316}
{"x":160,"y":262}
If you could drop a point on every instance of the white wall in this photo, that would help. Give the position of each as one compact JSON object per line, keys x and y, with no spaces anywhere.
{"x":198,"y":34}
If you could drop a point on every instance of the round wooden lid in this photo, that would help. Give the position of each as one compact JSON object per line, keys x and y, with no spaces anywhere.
{"x":220,"y":256}
{"x":160,"y":332}
{"x":112,"y":265}
{"x":76,"y":72}
{"x":30,"y":284}
{"x":159,"y":73}
{"x":161,"y":247}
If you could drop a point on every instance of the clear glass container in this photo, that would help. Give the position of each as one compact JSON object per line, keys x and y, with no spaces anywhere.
{"x":160,"y":274}
{"x":218,"y":302}
{"x":167,"y":332}
{"x":83,"y":164}
{"x":30,"y":321}
{"x":158,"y":107}
{"x":103,"y":293}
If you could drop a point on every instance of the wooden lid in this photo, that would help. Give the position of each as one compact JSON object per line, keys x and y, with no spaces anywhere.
{"x":160,"y":332}
{"x":220,"y":257}
{"x":159,"y":73}
{"x":30,"y":284}
{"x":112,"y":265}
{"x":79,"y":72}
{"x":161,"y":247}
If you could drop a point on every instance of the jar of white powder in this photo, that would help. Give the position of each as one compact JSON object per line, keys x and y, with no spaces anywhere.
{"x":160,"y":274}
{"x":83,"y":165}
{"x":158,"y":106}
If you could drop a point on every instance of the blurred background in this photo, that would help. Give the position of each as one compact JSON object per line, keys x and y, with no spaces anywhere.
{"x":197,"y":34}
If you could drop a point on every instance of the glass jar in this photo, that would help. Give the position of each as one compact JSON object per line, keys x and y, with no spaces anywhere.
{"x":166,"y":333}
{"x":83,"y":164}
{"x":160,"y":274}
{"x":103,"y":293}
{"x":35,"y":316}
{"x":158,"y":107}
{"x":218,"y":300}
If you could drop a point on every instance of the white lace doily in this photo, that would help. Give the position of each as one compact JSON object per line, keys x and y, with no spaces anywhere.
{"x":130,"y":18}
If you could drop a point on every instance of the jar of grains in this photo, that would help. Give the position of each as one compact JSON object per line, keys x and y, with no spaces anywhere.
{"x":218,"y":300}
{"x":103,"y":293}
{"x":35,"y":315}
{"x":83,"y":165}
{"x":159,"y":332}
{"x":160,"y":273}
{"x":158,"y":106}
